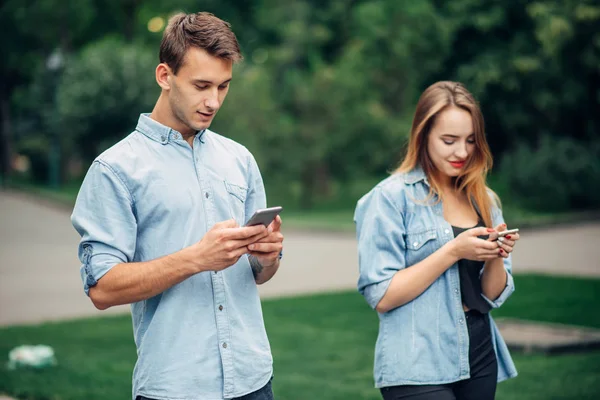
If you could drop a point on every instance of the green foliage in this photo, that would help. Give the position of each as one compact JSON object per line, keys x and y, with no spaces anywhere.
{"x":556,"y":175}
{"x":103,"y":91}
{"x":36,"y":148}
{"x":327,"y":91}
{"x":532,"y":65}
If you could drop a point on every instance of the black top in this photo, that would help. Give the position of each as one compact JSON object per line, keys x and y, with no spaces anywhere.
{"x":470,"y":283}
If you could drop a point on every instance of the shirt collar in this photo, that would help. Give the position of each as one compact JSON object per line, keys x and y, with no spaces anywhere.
{"x":159,"y":132}
{"x":415,"y":175}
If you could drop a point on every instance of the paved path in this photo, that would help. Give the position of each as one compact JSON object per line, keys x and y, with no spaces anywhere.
{"x":39,"y":269}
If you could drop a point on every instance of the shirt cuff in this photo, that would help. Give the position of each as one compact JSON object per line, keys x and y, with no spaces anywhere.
{"x":508,"y":290}
{"x":95,"y":266}
{"x":375,"y":292}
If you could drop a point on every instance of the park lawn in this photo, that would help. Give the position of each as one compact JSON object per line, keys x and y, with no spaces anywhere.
{"x":322,"y":347}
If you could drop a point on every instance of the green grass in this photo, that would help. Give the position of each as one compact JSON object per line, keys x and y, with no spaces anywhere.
{"x":66,"y":195}
{"x":322,"y":346}
{"x":335,"y":221}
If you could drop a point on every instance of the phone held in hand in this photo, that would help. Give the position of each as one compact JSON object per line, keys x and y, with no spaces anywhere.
{"x":264,"y":216}
{"x":507,"y":232}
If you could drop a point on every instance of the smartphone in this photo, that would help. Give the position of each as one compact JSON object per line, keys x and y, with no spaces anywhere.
{"x":264,"y":216}
{"x":507,"y":232}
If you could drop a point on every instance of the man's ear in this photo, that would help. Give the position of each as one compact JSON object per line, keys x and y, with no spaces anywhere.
{"x":163,"y":73}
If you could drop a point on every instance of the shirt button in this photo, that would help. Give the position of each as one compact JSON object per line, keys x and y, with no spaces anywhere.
{"x":163,"y":137}
{"x":224,"y":345}
{"x":207,"y":195}
{"x":446,"y":231}
{"x":220,"y":308}
{"x":460,"y":321}
{"x":456,"y":291}
{"x":415,"y":244}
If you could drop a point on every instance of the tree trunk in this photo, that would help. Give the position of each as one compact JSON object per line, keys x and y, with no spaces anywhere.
{"x":5,"y":136}
{"x":308,"y":186}
{"x":130,"y":11}
{"x":316,"y":183}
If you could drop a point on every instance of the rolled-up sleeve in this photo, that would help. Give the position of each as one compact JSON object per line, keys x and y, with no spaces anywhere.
{"x":498,"y":219}
{"x":104,"y":218}
{"x":381,"y":245}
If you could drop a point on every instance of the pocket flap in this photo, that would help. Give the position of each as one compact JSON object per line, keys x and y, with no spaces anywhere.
{"x":239,"y":192}
{"x":414,"y":241}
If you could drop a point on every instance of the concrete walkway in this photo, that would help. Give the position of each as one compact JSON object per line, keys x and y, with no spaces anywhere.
{"x":39,"y":269}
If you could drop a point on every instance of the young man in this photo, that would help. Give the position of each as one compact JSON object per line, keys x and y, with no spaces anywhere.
{"x":161,"y":216}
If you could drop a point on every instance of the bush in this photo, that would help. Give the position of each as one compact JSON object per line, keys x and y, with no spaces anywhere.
{"x":102,"y":92}
{"x":37,"y":150}
{"x":559,"y":174}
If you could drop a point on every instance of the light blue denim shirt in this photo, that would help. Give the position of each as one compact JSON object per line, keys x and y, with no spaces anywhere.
{"x":425,"y":341}
{"x":150,"y":195}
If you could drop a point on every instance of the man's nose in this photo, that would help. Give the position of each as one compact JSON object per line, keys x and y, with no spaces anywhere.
{"x":212,"y":102}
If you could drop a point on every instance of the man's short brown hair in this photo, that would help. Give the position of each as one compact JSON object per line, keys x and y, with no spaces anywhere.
{"x":202,"y":30}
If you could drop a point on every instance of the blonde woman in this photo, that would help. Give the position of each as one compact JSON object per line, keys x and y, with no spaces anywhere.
{"x":431,"y":261}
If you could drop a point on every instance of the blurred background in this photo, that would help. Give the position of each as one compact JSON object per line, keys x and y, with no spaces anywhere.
{"x":325,"y":96}
{"x":324,"y":100}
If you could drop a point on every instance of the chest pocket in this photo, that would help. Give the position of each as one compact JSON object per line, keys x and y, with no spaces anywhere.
{"x":419,"y":245}
{"x":237,"y":201}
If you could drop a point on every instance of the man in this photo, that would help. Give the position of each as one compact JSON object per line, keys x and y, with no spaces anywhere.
{"x":161,"y":217}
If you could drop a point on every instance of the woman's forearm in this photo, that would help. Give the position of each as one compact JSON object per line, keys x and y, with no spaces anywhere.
{"x":408,"y":283}
{"x":493,"y":279}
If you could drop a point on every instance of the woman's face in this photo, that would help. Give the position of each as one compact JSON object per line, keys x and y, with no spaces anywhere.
{"x":451,"y":141}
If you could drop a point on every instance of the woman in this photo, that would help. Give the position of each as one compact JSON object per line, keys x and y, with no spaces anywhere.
{"x":431,"y":261}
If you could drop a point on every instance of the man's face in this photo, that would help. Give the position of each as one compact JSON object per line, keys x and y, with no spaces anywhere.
{"x":199,"y":88}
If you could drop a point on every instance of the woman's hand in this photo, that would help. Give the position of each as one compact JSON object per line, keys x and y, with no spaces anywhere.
{"x":469,"y":246}
{"x":506,"y":243}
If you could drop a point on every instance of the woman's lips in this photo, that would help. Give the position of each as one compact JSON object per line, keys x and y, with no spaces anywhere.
{"x":457,"y":164}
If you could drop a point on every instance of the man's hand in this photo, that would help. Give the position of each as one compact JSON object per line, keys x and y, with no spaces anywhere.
{"x":225,"y":243}
{"x":266,"y":250}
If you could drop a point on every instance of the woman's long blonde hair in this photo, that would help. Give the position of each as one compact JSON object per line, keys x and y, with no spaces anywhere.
{"x":434,"y":100}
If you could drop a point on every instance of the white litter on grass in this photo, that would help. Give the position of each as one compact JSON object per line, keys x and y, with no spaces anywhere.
{"x":39,"y":356}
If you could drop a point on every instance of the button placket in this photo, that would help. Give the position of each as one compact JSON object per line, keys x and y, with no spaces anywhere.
{"x":217,"y":279}
{"x":223,"y":330}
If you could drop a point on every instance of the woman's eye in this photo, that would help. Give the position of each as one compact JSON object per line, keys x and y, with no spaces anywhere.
{"x":449,"y":142}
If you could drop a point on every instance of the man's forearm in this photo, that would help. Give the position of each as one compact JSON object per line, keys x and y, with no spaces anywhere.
{"x":493,"y":279}
{"x":262,"y":274}
{"x":127,"y":283}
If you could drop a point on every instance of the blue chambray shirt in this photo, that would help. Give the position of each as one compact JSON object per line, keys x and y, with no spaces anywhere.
{"x":150,"y":195}
{"x":425,"y":341}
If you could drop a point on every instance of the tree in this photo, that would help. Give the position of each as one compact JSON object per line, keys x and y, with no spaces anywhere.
{"x":102,"y":92}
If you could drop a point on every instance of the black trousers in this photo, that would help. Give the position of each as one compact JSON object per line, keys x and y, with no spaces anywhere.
{"x":484,"y":370}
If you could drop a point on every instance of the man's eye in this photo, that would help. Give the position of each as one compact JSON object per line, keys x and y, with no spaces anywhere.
{"x":201,"y":87}
{"x":223,"y":87}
